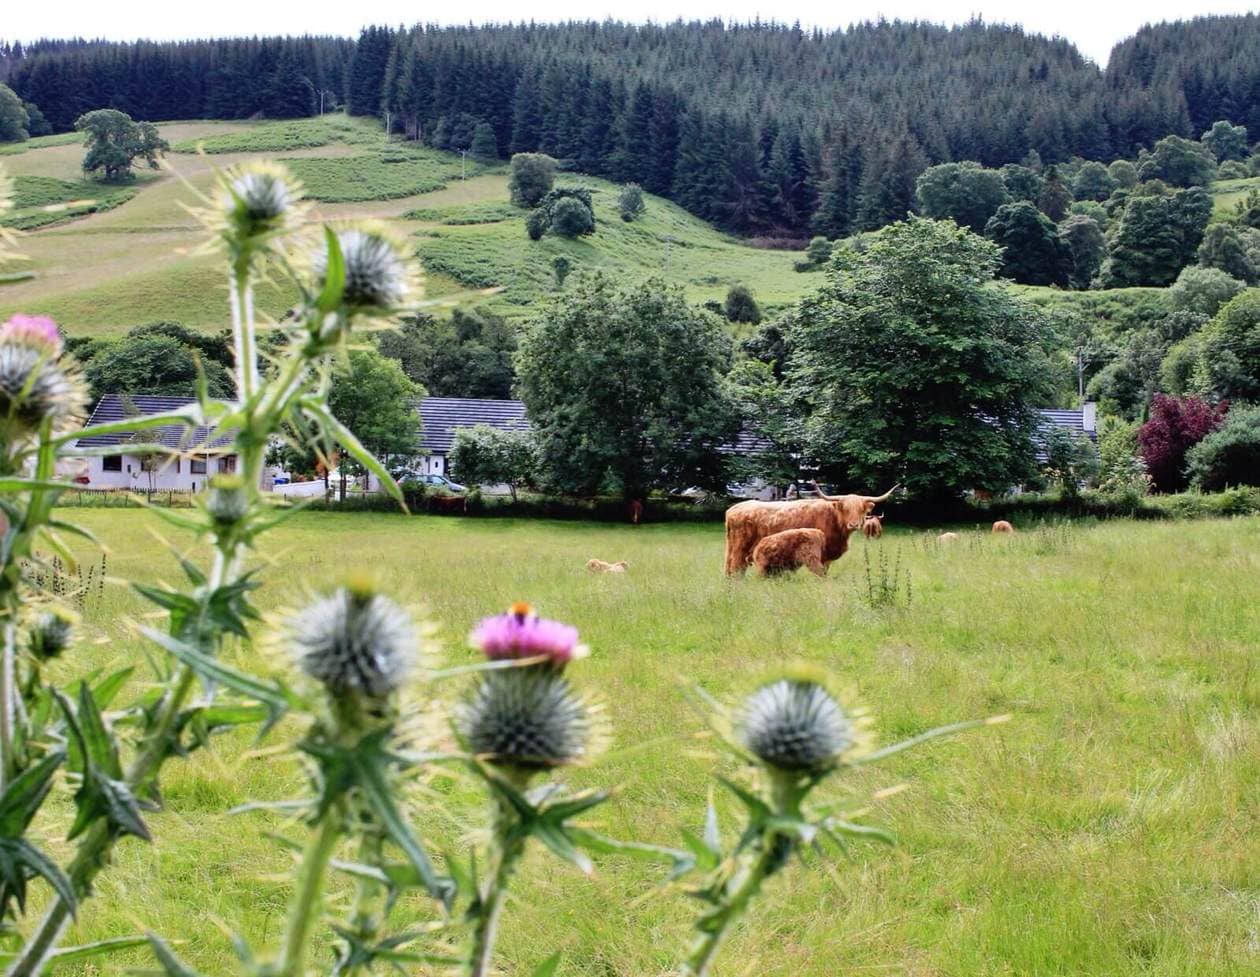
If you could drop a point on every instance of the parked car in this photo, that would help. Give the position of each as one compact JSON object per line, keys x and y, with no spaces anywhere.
{"x":429,"y":481}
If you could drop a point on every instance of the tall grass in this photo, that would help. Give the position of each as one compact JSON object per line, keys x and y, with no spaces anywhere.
{"x":1110,"y":829}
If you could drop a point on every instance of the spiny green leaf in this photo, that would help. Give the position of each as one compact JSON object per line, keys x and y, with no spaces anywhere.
{"x":334,"y":275}
{"x":756,"y":806}
{"x":24,"y":794}
{"x":172,"y":966}
{"x":86,"y":951}
{"x":40,"y":864}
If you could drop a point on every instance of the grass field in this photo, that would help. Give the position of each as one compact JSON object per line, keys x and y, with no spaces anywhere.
{"x":1112,"y":828}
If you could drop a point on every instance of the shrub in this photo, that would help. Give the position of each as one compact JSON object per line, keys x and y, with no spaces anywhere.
{"x":532,"y":177}
{"x":572,"y":218}
{"x":630,"y":202}
{"x":1176,"y":426}
{"x":536,"y":224}
{"x":740,"y":306}
{"x":1203,"y":290}
{"x":1232,"y":170}
{"x":1230,"y":455}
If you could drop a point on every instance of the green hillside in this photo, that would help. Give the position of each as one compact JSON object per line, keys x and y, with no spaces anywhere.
{"x":135,"y":256}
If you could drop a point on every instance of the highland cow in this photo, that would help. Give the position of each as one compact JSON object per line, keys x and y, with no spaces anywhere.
{"x":835,"y":516}
{"x":873,"y":528}
{"x":948,"y":538}
{"x":790,"y":550}
{"x":599,"y":566}
{"x":1002,"y":526}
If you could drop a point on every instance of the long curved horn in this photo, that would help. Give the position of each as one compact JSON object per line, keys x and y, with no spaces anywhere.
{"x":885,"y":497}
{"x":824,"y":495}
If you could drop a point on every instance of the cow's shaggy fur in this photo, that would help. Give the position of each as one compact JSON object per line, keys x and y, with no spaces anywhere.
{"x":835,"y":516}
{"x":789,"y":550}
{"x":1002,"y":526}
{"x":599,"y":566}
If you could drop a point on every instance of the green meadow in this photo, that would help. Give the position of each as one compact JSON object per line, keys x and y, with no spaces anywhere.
{"x":1110,"y":828}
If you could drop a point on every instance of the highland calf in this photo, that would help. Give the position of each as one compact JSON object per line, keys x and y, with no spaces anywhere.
{"x":599,"y":566}
{"x":873,"y":528}
{"x":1002,"y":526}
{"x":948,"y":538}
{"x":789,"y":550}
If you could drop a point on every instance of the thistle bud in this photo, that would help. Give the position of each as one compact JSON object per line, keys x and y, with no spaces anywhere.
{"x":227,"y":501}
{"x":34,"y":385}
{"x":795,"y":725}
{"x":526,"y":717}
{"x":50,"y":634}
{"x":354,"y":641}
{"x":258,"y":200}
{"x":378,"y":279}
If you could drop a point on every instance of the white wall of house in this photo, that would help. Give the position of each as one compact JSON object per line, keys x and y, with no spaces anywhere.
{"x":178,"y":474}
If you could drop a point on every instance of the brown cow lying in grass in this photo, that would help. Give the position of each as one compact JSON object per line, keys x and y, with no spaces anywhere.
{"x":599,"y":566}
{"x":789,"y":550}
{"x":1002,"y":526}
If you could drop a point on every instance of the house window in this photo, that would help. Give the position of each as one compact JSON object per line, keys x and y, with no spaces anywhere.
{"x":197,"y":466}
{"x":227,"y":463}
{"x":111,"y":463}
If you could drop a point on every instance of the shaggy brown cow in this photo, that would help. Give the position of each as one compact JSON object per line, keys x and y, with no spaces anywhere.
{"x":790,"y":550}
{"x":835,"y":516}
{"x":873,"y":528}
{"x":1002,"y":526}
{"x":948,"y":538}
{"x":599,"y":566}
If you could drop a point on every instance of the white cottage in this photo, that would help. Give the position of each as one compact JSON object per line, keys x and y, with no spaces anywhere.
{"x":194,"y":456}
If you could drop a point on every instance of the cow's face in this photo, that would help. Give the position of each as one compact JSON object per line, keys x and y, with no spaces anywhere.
{"x":853,"y":510}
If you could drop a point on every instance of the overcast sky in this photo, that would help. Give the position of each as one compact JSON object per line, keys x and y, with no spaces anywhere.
{"x":1094,"y":26}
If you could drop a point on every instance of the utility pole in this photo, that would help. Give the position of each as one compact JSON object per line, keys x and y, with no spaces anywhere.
{"x":463,"y":164}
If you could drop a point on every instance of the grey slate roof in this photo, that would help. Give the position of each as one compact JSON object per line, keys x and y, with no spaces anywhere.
{"x":1072,"y":421}
{"x":441,"y":417}
{"x":118,"y":407}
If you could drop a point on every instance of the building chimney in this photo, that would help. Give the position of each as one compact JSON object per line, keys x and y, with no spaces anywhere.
{"x":1089,"y":417}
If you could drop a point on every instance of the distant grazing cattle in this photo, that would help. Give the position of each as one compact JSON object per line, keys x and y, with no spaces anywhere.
{"x":873,"y":528}
{"x":599,"y":566}
{"x":835,"y":516}
{"x":634,"y":511}
{"x":1002,"y":526}
{"x":948,"y":538}
{"x":789,"y":550}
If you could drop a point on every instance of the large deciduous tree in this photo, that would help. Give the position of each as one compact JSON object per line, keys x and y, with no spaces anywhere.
{"x":1032,"y":251}
{"x":532,"y":177}
{"x":1179,"y":162}
{"x":1176,"y":426}
{"x":1226,"y":141}
{"x":964,"y":192}
{"x":485,"y":455}
{"x":375,"y":399}
{"x":1088,"y":246}
{"x":1157,"y":235}
{"x":14,"y":119}
{"x":624,"y":390}
{"x":916,"y":366}
{"x":115,"y":141}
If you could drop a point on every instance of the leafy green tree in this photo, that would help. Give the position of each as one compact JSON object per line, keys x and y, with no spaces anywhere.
{"x":766,"y":405}
{"x":375,"y":399}
{"x":1124,"y":386}
{"x":468,"y":355}
{"x":916,"y":369}
{"x":38,"y":124}
{"x":1071,"y":460}
{"x":1021,"y":182}
{"x":819,"y":251}
{"x":1093,"y":181}
{"x":1032,"y":251}
{"x":560,"y":267}
{"x":630,"y":202}
{"x":1120,"y":467}
{"x":1087,"y":245}
{"x":537,"y":223}
{"x":1229,"y":362}
{"x":1156,"y":236}
{"x":1230,"y":455}
{"x":485,"y":455}
{"x":114,"y":142}
{"x":153,"y":363}
{"x":740,"y":306}
{"x":14,"y":118}
{"x":1225,"y":249}
{"x":966,"y":193}
{"x":1231,"y":169}
{"x":624,"y":388}
{"x":1124,"y":174}
{"x":1202,"y":290}
{"x":484,"y":146}
{"x":571,"y":218}
{"x":1226,"y":141}
{"x":1247,"y":210}
{"x":1179,"y":162}
{"x":1055,"y":197}
{"x":533,"y":175}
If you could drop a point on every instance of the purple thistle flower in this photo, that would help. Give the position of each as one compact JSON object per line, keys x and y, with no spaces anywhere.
{"x":521,"y":633}
{"x":32,"y":330}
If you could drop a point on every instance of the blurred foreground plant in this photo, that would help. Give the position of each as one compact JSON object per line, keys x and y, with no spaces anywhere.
{"x":797,"y":734}
{"x":349,"y":279}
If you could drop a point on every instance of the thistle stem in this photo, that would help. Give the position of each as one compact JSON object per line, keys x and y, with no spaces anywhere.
{"x":364,"y":922}
{"x":507,"y":851}
{"x":305,"y":911}
{"x":738,"y":896}
{"x":8,"y":701}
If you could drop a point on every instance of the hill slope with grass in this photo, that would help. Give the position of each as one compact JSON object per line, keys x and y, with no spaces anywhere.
{"x":106,"y":258}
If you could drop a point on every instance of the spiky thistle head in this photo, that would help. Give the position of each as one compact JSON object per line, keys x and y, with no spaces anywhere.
{"x":794,"y":724}
{"x":35,"y":383}
{"x":528,"y":718}
{"x":49,"y":634}
{"x":521,"y":633}
{"x":379,"y":276}
{"x":258,"y":203}
{"x":354,"y":641}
